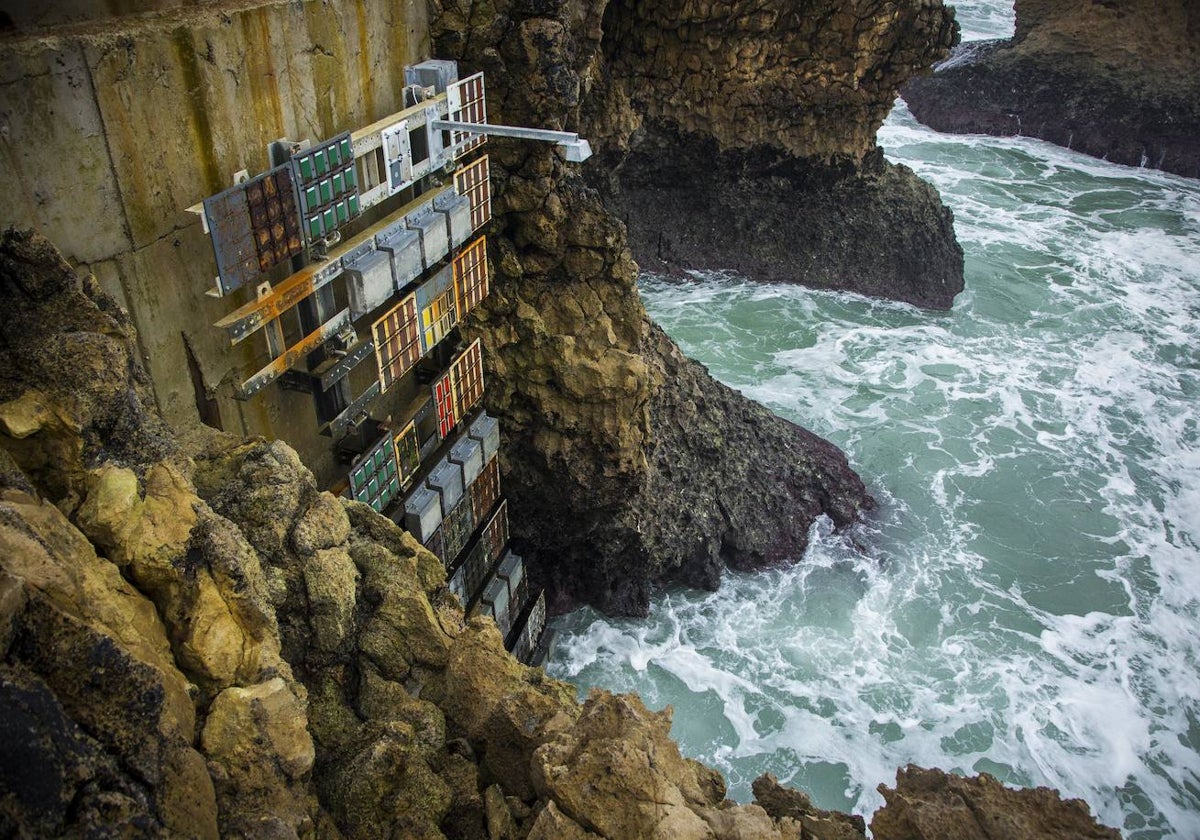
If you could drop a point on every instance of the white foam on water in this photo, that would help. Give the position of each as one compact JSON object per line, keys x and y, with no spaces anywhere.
{"x":1026,"y":601}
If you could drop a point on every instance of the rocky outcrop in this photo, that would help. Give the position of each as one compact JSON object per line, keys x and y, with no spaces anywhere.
{"x":1119,"y":81}
{"x":195,"y":641}
{"x":734,"y":135}
{"x":626,"y":465}
{"x":932,"y":805}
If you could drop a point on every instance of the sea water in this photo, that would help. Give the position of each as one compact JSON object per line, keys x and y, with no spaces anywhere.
{"x":1026,"y":600}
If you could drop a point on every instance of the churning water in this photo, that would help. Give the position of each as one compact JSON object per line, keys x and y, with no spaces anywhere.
{"x":1026,"y":601}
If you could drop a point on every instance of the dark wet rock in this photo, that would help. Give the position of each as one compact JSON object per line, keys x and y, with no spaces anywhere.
{"x":1119,"y":81}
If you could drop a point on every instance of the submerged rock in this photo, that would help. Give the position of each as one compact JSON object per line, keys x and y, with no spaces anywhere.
{"x":1119,"y":81}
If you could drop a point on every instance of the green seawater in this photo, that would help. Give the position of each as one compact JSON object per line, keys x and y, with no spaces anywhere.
{"x":1026,"y":601}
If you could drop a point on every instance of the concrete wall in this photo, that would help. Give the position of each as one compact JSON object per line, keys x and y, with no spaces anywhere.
{"x":108,"y":132}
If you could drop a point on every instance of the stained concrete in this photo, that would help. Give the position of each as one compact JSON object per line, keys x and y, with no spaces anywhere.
{"x":110,"y":129}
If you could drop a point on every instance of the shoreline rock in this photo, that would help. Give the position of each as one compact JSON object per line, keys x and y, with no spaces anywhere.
{"x":195,"y":641}
{"x":626,"y":466}
{"x":1117,"y":82}
{"x":738,"y":137}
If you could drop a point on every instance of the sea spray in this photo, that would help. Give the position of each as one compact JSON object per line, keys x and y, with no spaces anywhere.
{"x":1026,"y":600}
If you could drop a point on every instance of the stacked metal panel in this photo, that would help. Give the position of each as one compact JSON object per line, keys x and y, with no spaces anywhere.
{"x":485,"y":490}
{"x":495,"y":533}
{"x":397,"y":341}
{"x":437,"y":545}
{"x":468,"y":454}
{"x":408,"y":454}
{"x":495,"y":602}
{"x":254,"y":227}
{"x":444,"y":403}
{"x":447,"y":479}
{"x":434,"y":232}
{"x":474,"y":182}
{"x":435,"y":302}
{"x":422,"y":513}
{"x":374,"y":478}
{"x":486,"y":430}
{"x":327,"y":186}
{"x":368,"y":278}
{"x":472,"y":282}
{"x":404,"y":247}
{"x":527,"y":642}
{"x":475,"y":567}
{"x":456,"y":529}
{"x":466,"y":375}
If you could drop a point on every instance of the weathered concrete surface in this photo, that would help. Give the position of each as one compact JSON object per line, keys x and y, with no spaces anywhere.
{"x":112,"y":129}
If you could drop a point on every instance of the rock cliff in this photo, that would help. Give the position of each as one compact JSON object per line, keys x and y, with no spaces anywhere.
{"x":1116,"y":80}
{"x":741,"y":135}
{"x":196,"y":641}
{"x":626,"y":463}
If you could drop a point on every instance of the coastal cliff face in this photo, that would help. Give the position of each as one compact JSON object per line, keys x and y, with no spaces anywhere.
{"x":626,"y":464}
{"x":733,"y":135}
{"x":1116,"y":80}
{"x":196,"y":641}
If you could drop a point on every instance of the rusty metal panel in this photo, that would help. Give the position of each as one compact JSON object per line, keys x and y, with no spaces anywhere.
{"x":466,"y":375}
{"x":495,"y":533}
{"x":472,"y":280}
{"x":397,"y":343}
{"x":474,"y":182}
{"x":485,"y":490}
{"x":254,"y":226}
{"x":467,"y":104}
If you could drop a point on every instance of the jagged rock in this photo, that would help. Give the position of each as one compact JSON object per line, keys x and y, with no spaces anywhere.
{"x":781,"y":802}
{"x":583,"y":388}
{"x":618,"y":773}
{"x":932,"y":805}
{"x":1119,"y":81}
{"x":388,"y":788}
{"x":331,"y":580}
{"x":500,"y":822}
{"x":259,"y":752}
{"x":209,"y":586}
{"x":98,"y":645}
{"x":505,"y":709}
{"x":64,"y":340}
{"x":324,"y":525}
{"x":553,"y":824}
{"x":732,"y":136}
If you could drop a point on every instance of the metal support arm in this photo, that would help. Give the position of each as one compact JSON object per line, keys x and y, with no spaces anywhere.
{"x":577,"y":149}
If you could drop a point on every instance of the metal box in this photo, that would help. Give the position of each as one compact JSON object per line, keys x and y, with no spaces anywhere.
{"x":495,"y":599}
{"x":434,"y":233}
{"x":368,"y":279}
{"x":468,"y":454}
{"x":486,"y":430}
{"x":512,"y":572}
{"x":422,"y":513}
{"x":404,"y":247}
{"x":438,"y":74}
{"x":446,"y":479}
{"x":457,"y":211}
